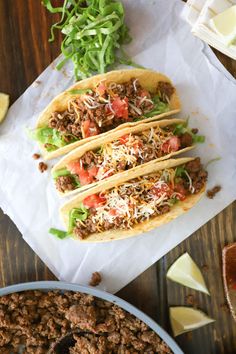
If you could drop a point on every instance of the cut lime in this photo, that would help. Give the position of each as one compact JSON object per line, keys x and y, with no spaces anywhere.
{"x":184,"y":319}
{"x":4,"y":104}
{"x":185,"y":271}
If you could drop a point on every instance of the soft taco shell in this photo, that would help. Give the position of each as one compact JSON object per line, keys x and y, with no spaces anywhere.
{"x":112,"y":235}
{"x":101,"y":140}
{"x":148,"y":79}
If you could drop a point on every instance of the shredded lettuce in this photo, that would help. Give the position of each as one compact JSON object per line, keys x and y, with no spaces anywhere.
{"x":61,"y":172}
{"x":58,"y":233}
{"x":159,"y":107}
{"x":80,"y":213}
{"x":93,"y":30}
{"x":52,"y":137}
{"x":79,"y":92}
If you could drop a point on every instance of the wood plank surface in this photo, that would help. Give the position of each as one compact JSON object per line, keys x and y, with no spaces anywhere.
{"x":24,"y":54}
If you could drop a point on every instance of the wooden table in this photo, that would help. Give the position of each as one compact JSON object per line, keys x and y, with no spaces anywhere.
{"x":24,"y":54}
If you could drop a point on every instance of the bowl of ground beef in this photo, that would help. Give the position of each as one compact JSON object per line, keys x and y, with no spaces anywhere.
{"x":35,"y":316}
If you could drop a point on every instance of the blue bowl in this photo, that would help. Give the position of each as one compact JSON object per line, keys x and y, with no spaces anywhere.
{"x":57,"y":285}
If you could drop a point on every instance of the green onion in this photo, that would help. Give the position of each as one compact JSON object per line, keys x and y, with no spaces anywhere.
{"x":79,"y":92}
{"x":198,"y":138}
{"x":61,"y":172}
{"x":180,"y":171}
{"x":180,"y":129}
{"x":173,"y":201}
{"x":58,"y":233}
{"x":80,"y":213}
{"x":93,"y":30}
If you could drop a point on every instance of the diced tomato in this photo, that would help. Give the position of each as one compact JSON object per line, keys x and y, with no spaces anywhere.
{"x":101,"y":89}
{"x":164,"y":188}
{"x":144,"y":93}
{"x":120,"y":107}
{"x":137,"y":145}
{"x":89,"y":128}
{"x":123,"y":139}
{"x":93,"y":171}
{"x":74,"y":167}
{"x":85,"y":176}
{"x":179,"y":188}
{"x":94,"y":200}
{"x":171,"y":145}
{"x":113,"y":212}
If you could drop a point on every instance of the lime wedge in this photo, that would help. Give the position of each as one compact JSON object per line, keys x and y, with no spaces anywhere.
{"x":184,"y":319}
{"x":185,"y":271}
{"x":4,"y":104}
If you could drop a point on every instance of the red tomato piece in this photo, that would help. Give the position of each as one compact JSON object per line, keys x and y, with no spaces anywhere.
{"x":113,"y":212}
{"x":93,"y":171}
{"x":144,"y":93}
{"x":137,"y":146}
{"x":179,"y":188}
{"x":164,"y":188}
{"x":94,"y":200}
{"x":123,"y":139}
{"x":75,"y":167}
{"x":90,"y":128}
{"x":101,"y":89}
{"x":120,"y":107}
{"x":171,"y":145}
{"x":84,"y":177}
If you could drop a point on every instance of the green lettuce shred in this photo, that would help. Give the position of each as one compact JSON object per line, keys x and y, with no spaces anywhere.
{"x":93,"y":30}
{"x":159,"y":107}
{"x":81,"y":213}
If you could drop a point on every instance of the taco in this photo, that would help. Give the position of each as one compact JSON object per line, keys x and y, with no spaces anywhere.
{"x":97,"y":105}
{"x":106,"y":157}
{"x":146,"y":197}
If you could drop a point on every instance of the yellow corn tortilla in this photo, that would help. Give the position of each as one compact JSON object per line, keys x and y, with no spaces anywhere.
{"x":147,"y":78}
{"x":102,"y":140}
{"x":111,"y":235}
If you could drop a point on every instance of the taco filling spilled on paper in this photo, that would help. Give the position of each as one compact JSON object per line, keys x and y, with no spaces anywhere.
{"x":104,"y":108}
{"x":126,"y":152}
{"x":137,"y":200}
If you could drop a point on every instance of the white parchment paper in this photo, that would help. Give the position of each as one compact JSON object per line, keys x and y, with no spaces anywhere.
{"x":163,"y":42}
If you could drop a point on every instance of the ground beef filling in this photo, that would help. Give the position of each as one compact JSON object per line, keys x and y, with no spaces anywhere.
{"x":146,"y":152}
{"x":195,"y":171}
{"x":65,"y":183}
{"x":69,"y":122}
{"x":37,"y":320}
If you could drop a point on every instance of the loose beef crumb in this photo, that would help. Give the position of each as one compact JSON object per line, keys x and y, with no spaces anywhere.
{"x":39,"y":319}
{"x":212,"y":192}
{"x":190,"y":300}
{"x":186,"y":140}
{"x":205,"y":268}
{"x":36,"y":156}
{"x":95,"y":279}
{"x":42,"y":167}
{"x":194,"y":130}
{"x":225,"y":307}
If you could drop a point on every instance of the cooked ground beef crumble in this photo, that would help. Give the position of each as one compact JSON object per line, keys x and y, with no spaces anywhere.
{"x":37,"y":319}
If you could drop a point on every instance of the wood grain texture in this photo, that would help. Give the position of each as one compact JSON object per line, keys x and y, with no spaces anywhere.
{"x":24,"y":54}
